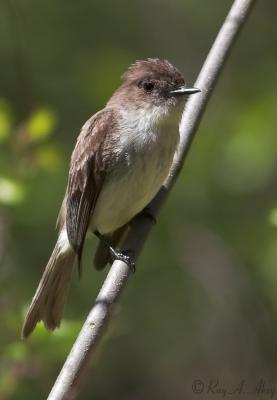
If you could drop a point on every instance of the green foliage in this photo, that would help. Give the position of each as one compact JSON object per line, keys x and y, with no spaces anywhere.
{"x":5,"y":120}
{"x":48,"y":157}
{"x":250,"y":157}
{"x":41,"y":124}
{"x":11,"y":192}
{"x":273,"y":217}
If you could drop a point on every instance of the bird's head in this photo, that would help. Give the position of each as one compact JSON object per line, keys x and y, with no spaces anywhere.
{"x":152,"y":82}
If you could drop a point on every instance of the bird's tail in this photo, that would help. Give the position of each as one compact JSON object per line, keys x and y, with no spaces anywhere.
{"x":48,"y":302}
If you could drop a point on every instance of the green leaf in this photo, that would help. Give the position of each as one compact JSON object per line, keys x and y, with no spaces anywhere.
{"x":11,"y":192}
{"x":41,"y":124}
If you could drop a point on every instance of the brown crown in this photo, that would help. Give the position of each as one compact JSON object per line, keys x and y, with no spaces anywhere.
{"x":152,"y":68}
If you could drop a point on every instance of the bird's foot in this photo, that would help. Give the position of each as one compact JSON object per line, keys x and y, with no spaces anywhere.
{"x":126,"y":256}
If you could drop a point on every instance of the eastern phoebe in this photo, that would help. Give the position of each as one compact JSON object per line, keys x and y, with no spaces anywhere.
{"x":121,"y":158}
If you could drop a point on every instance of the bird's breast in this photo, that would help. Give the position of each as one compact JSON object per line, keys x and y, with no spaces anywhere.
{"x":142,"y":164}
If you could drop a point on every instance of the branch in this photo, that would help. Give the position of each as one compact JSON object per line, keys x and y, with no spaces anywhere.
{"x":68,"y":381}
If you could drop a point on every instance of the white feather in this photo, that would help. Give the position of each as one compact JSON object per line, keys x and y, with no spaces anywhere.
{"x":63,"y":242}
{"x":145,"y":153}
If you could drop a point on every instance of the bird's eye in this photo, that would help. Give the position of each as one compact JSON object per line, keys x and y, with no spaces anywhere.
{"x":148,"y":86}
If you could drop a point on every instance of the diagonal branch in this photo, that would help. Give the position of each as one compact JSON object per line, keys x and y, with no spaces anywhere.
{"x":76,"y":365}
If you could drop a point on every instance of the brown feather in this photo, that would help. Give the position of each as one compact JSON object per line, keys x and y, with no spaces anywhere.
{"x":49,"y":300}
{"x":88,"y":169}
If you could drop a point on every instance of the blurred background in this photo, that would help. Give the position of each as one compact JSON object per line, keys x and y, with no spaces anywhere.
{"x":203,"y":303}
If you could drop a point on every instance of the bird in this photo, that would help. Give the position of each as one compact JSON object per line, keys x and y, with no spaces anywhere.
{"x":120,"y":161}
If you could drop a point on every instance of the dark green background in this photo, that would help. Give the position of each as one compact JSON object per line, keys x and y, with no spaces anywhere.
{"x":203,"y":304}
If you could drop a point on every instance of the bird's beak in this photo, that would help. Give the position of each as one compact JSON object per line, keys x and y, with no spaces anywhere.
{"x":185,"y":90}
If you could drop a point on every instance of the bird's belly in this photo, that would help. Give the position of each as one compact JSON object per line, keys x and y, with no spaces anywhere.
{"x":131,"y":185}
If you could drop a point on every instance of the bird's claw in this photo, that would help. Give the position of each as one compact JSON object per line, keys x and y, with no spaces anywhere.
{"x":127,"y":257}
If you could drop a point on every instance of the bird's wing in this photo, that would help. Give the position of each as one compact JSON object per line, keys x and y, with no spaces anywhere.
{"x":89,"y":163}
